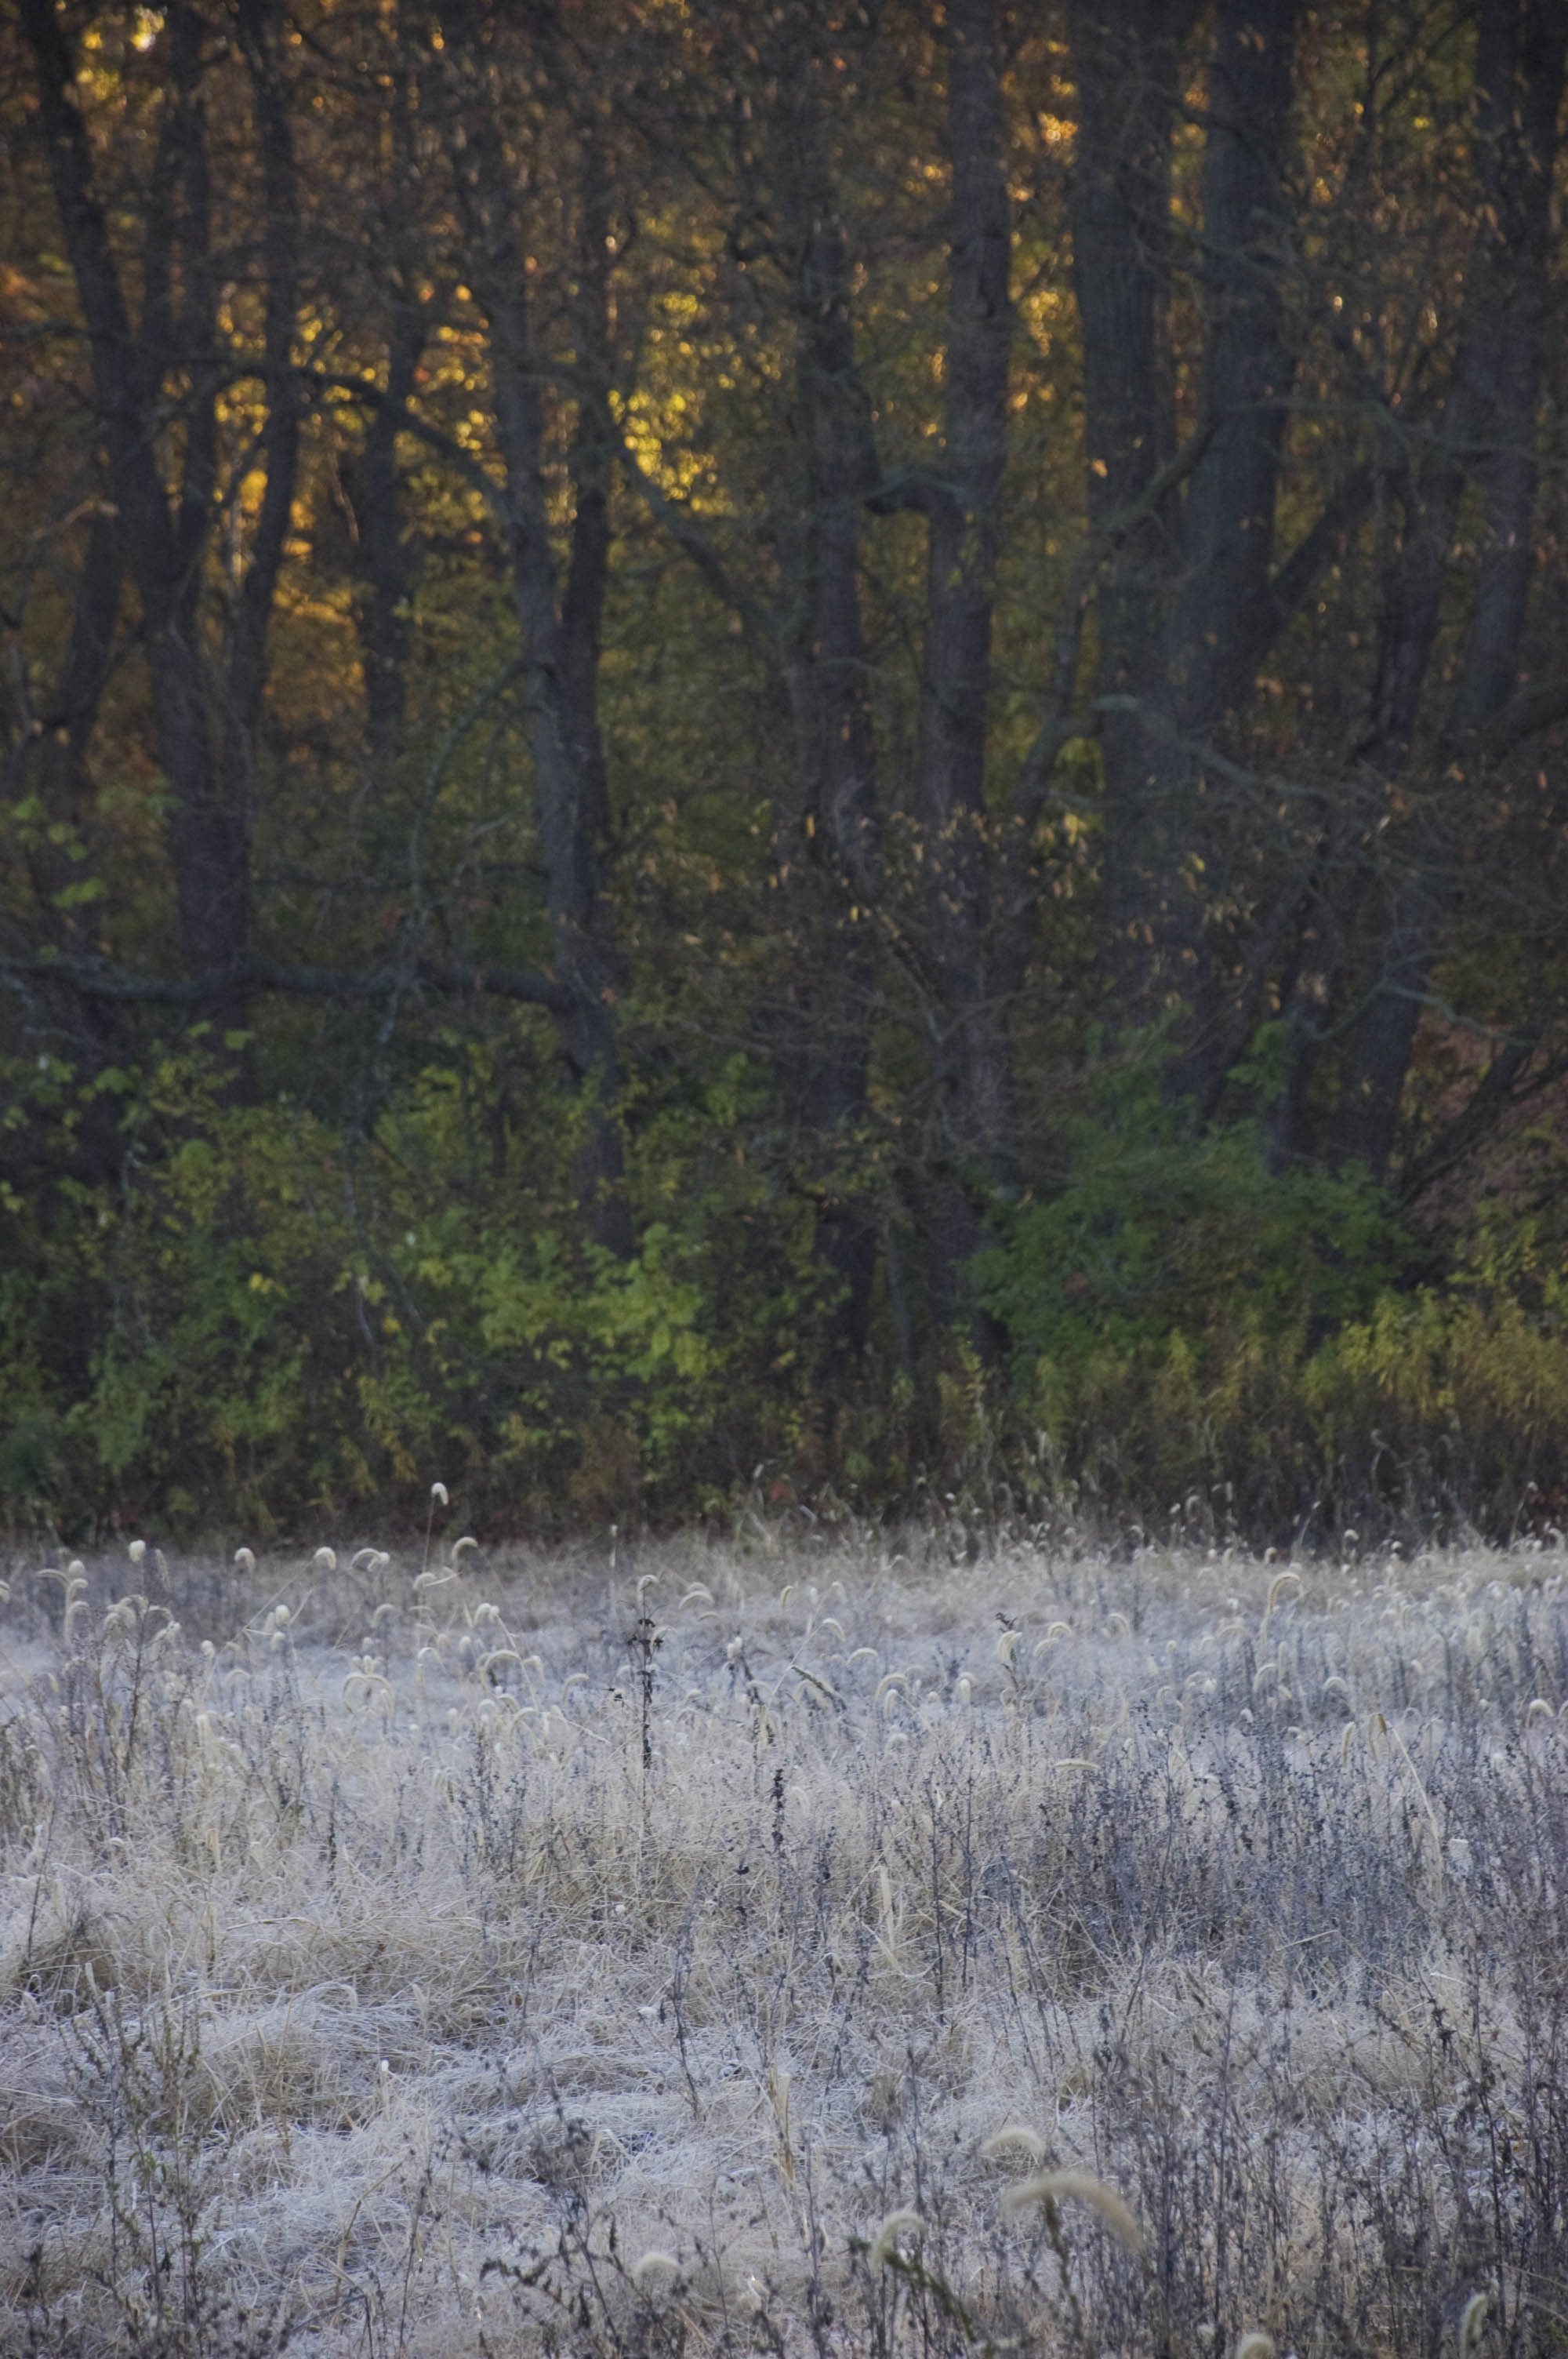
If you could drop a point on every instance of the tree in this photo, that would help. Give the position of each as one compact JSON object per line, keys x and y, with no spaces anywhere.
{"x":657,"y":660}
{"x":163,"y":464}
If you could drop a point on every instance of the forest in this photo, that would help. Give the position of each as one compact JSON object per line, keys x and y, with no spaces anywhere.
{"x":796,"y":757}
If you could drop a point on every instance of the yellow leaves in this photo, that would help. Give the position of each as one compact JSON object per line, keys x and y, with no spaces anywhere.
{"x":650,"y":430}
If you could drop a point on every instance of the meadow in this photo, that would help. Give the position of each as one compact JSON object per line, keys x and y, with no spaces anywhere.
{"x":786,"y":1943}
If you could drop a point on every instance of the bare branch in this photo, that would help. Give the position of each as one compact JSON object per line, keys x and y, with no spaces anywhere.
{"x":100,"y":979}
{"x":376,"y":397}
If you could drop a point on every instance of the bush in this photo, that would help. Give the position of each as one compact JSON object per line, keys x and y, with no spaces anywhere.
{"x":275,"y":1321}
{"x":1196,"y":1335}
{"x":255,"y":1317}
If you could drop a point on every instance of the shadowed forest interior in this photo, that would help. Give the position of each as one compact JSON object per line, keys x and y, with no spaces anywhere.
{"x":792,"y":750}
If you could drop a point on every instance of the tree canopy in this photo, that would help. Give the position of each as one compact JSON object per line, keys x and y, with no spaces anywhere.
{"x":791,"y":746}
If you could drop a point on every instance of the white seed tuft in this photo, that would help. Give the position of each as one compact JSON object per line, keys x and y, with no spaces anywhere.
{"x":1079,"y":2186}
{"x":1472,"y":2318}
{"x":885,"y":2240}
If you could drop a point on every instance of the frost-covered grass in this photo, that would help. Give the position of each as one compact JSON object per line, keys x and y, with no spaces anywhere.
{"x":785,"y":1948}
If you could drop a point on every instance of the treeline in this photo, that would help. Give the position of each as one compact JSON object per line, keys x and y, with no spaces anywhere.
{"x":801,"y":750}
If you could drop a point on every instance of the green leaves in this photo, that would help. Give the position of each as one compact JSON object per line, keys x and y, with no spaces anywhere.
{"x":1158,"y":1227}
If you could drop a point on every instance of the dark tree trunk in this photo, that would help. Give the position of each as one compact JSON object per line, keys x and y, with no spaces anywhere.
{"x":381,"y":566}
{"x":1127,"y":63}
{"x":1223,"y":617}
{"x":370,"y":478}
{"x":1188,"y":608}
{"x":47,"y":764}
{"x":972,"y":1145}
{"x":205,"y":725}
{"x":830,"y":838}
{"x":1224,"y":621}
{"x":1488,"y":436}
{"x":560,"y":641}
{"x":262,"y":32}
{"x":49,"y":753}
{"x":581,"y":836}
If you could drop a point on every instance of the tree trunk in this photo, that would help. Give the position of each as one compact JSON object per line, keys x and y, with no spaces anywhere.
{"x":47,"y":757}
{"x":1127,"y":65}
{"x":1223,"y":618}
{"x":831,"y":837}
{"x":379,"y":555}
{"x":971,"y":1130}
{"x":1488,"y":435}
{"x":205,"y":726}
{"x":560,"y":643}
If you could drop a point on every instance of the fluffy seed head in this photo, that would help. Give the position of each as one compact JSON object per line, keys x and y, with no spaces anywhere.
{"x":896,"y":2225}
{"x":1472,"y":2320}
{"x":1081,"y":2187}
{"x":1014,"y":2138}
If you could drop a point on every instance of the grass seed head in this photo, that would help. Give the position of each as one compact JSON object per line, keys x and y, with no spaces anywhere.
{"x":1078,"y":2186}
{"x":1472,"y":2322}
{"x":655,"y":2272}
{"x":885,"y":2240}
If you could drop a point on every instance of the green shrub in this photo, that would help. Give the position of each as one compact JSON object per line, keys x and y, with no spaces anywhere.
{"x":275,"y":1322}
{"x":1193,"y":1332}
{"x":256,"y":1319}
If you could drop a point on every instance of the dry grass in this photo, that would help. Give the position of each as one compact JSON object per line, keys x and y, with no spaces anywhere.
{"x":785,"y":1948}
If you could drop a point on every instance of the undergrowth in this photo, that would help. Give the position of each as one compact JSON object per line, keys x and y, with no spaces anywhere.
{"x":258,"y":1325}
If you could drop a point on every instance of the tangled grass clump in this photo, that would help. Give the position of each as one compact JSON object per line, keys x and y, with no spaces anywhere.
{"x":784,"y":1946}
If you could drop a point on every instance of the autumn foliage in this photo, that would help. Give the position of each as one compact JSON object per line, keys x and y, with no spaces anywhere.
{"x":804,"y":745}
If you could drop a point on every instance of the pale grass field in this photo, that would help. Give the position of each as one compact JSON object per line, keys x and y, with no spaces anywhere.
{"x":717,"y":1948}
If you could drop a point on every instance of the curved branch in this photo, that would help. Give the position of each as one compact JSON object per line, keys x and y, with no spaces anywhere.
{"x":408,"y":420}
{"x":1525,"y":714}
